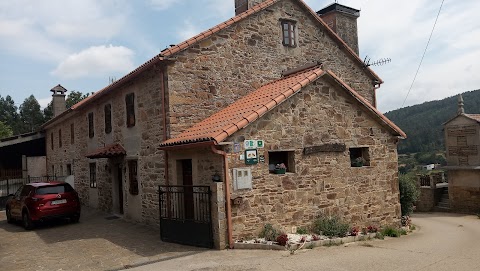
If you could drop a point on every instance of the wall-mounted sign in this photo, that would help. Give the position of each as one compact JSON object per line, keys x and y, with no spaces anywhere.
{"x":251,"y":157}
{"x":236,"y":147}
{"x":336,"y":147}
{"x":242,"y":157}
{"x":261,"y":158}
{"x":260,"y":144}
{"x":250,"y":144}
{"x":253,"y":144}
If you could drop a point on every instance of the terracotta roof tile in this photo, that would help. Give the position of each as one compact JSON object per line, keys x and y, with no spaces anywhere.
{"x":475,"y":117}
{"x":248,"y":109}
{"x":107,"y":151}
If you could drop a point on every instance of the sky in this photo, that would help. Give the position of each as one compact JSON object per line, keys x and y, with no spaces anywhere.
{"x":83,"y":44}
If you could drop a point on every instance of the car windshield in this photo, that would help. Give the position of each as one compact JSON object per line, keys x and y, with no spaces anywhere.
{"x":54,"y":189}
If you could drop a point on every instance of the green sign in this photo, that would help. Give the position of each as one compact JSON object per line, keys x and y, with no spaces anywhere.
{"x":251,"y":157}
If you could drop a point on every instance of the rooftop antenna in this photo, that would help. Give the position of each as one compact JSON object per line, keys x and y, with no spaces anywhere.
{"x":379,"y":62}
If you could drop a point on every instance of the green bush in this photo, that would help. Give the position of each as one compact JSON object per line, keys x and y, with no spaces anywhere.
{"x":392,"y":232}
{"x":302,"y":230}
{"x":269,"y":233}
{"x":330,"y":226}
{"x":408,"y":194}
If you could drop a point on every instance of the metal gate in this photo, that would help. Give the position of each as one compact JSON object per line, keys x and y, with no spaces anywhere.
{"x":185,"y":215}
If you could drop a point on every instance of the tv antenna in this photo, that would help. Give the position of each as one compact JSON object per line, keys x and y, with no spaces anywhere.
{"x":379,"y":62}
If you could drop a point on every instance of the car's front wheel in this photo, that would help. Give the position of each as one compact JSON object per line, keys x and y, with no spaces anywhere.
{"x":9,"y":216}
{"x":27,"y":222}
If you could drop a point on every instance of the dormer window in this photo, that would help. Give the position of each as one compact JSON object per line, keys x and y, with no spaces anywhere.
{"x":289,"y":29}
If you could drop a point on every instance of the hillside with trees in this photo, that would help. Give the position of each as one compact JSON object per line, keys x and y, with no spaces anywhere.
{"x":423,"y":123}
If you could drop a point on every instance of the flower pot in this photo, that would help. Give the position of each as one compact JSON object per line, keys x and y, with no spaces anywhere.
{"x":280,"y":170}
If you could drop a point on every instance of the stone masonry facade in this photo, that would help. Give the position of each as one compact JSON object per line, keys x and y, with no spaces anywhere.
{"x":322,"y":183}
{"x":462,"y":138}
{"x":140,"y":142}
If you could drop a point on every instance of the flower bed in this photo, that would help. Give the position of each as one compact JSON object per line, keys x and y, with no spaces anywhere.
{"x":298,"y":241}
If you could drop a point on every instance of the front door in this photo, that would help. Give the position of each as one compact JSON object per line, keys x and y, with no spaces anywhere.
{"x":120,"y":188}
{"x":188,"y":182}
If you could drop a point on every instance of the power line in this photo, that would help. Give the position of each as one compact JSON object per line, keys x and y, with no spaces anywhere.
{"x":424,"y":52}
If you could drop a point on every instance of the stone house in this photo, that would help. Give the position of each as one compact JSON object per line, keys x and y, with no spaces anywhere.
{"x":462,"y":139}
{"x":274,"y":85}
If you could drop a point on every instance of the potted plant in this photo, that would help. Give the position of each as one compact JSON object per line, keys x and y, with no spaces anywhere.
{"x":358,"y":162}
{"x":280,"y":168}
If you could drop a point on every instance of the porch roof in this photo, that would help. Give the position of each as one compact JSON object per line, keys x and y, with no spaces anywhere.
{"x":109,"y":151}
{"x":251,"y":107}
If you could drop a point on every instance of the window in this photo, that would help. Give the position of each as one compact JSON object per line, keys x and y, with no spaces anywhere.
{"x":133,"y":177}
{"x":54,"y":189}
{"x":91,"y":132}
{"x":359,"y":157}
{"x":277,"y":158}
{"x":61,"y":170}
{"x":108,"y":118}
{"x":51,"y":140}
{"x":53,"y":170}
{"x":130,"y":104}
{"x":60,"y":138}
{"x":288,"y":30}
{"x":93,"y":175}
{"x":72,"y":133}
{"x":69,"y":169}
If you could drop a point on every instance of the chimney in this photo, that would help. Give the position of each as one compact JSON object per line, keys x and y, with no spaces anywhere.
{"x":343,"y":21}
{"x":58,"y":100}
{"x":244,"y":5}
{"x":460,"y":109}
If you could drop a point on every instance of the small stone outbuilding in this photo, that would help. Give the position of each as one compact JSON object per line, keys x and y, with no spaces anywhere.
{"x":462,"y":141}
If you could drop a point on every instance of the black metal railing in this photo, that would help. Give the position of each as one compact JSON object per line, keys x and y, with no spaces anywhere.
{"x":185,"y":215}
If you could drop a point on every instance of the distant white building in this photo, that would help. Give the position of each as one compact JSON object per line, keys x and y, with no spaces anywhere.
{"x":429,"y":167}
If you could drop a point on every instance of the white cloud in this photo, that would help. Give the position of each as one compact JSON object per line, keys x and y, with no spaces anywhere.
{"x":188,"y":30}
{"x":96,"y":61}
{"x":50,"y":29}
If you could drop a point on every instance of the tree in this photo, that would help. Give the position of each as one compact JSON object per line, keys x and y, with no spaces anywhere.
{"x":8,"y":113}
{"x":30,"y":115}
{"x":5,"y":130}
{"x":408,"y":193}
{"x":75,"y":97}
{"x":48,"y":112}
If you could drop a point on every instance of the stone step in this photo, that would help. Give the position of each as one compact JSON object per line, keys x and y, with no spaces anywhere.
{"x":443,"y":205}
{"x":441,"y":209}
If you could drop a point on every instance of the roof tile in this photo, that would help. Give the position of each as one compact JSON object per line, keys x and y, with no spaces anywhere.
{"x":107,"y":151}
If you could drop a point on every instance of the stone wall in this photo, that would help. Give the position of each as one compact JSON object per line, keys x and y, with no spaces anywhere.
{"x":238,"y":59}
{"x":462,"y":138}
{"x":325,"y":182}
{"x":141,"y":143}
{"x":464,"y":190}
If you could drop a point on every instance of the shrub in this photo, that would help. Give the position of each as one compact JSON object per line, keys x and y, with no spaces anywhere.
{"x":302,"y":230}
{"x":403,"y":232}
{"x":392,"y":232}
{"x":408,"y":194}
{"x":380,"y":236}
{"x":269,"y":232}
{"x":282,"y":239}
{"x":330,"y":226}
{"x":406,"y":221}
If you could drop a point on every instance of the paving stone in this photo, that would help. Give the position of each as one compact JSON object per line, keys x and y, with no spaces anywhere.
{"x":94,"y":243}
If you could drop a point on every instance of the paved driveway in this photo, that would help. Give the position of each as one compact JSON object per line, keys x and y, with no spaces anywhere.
{"x":443,"y":242}
{"x":96,"y":243}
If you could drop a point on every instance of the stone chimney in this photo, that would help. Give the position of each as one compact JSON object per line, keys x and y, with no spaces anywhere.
{"x":58,"y":100}
{"x":343,"y":21}
{"x":460,"y":109}
{"x":244,"y":5}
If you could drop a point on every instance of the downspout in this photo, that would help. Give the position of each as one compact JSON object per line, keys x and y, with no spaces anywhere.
{"x":227,"y":194}
{"x":162,"y":86}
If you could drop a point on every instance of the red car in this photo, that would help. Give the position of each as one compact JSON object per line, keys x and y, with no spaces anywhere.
{"x":37,"y":202}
